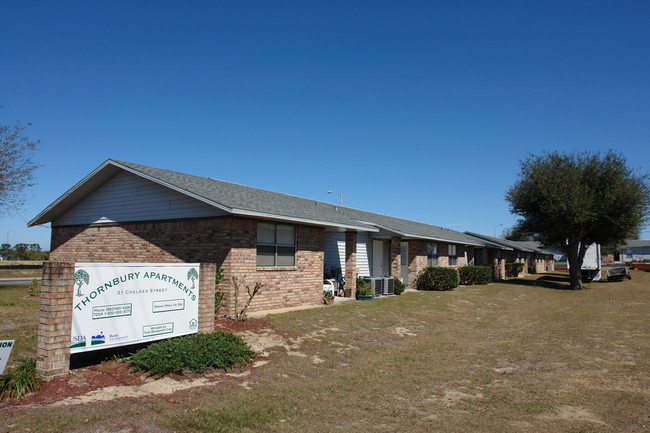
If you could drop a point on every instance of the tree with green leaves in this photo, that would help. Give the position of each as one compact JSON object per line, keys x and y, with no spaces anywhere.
{"x":16,"y":165}
{"x":572,"y":200}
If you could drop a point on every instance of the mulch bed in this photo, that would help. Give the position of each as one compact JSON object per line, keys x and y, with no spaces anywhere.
{"x":80,"y":381}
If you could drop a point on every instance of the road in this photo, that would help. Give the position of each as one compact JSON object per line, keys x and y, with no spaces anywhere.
{"x":15,"y":281}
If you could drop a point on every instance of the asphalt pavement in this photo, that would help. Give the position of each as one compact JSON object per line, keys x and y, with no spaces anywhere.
{"x":16,"y":281}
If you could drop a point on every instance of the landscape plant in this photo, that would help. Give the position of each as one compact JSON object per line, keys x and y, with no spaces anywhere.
{"x":513,"y":269}
{"x":470,"y":275}
{"x":399,"y":286}
{"x":218,"y":294}
{"x":20,"y":380}
{"x":437,"y":278}
{"x":241,"y":314}
{"x":196,"y":352}
{"x":363,"y":287}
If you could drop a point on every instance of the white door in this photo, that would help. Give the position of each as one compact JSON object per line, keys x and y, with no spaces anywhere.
{"x":377,"y":258}
{"x":404,"y":261}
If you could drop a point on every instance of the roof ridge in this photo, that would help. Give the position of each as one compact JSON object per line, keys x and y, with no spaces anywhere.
{"x":289,"y":195}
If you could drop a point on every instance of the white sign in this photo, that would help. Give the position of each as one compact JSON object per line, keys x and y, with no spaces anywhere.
{"x":116,"y":304}
{"x":5,"y":351}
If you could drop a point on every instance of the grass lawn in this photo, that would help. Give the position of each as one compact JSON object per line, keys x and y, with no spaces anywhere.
{"x":19,"y":320}
{"x":517,"y":356}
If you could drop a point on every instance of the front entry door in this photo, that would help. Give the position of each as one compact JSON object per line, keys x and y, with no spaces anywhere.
{"x":378,"y":258}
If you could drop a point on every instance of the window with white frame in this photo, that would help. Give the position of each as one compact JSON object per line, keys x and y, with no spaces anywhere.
{"x":432,"y":254}
{"x":276,"y":244}
{"x":453,"y":258}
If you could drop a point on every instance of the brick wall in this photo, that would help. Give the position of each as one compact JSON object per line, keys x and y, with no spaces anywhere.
{"x":417,"y":260}
{"x":290,"y":286}
{"x":417,"y":257}
{"x":229,"y":242}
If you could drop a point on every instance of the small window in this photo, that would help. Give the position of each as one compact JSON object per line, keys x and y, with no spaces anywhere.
{"x":276,"y":245}
{"x":432,"y":254}
{"x":453,"y":258}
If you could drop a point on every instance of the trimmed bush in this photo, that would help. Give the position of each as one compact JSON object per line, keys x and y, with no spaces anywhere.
{"x":399,"y":286}
{"x":513,"y":269}
{"x":475,"y":275}
{"x":437,"y":278}
{"x":20,"y":380}
{"x":196,"y":352}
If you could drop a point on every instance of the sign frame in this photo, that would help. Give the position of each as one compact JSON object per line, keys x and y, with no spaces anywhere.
{"x":119,"y":304}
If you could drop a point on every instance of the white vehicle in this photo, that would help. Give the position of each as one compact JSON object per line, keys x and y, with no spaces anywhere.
{"x":592,"y":264}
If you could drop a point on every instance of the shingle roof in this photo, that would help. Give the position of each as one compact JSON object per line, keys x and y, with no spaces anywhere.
{"x":636,"y":243}
{"x":527,"y":246}
{"x":255,"y":202}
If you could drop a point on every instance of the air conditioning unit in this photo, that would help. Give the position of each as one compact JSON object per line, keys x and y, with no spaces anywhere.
{"x":377,"y":285}
{"x":389,"y":286}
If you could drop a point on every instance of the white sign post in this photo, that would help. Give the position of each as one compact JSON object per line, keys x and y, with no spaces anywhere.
{"x":117,"y":304}
{"x":5,"y":352}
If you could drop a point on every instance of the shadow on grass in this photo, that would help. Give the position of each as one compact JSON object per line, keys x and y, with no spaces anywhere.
{"x":555,"y":282}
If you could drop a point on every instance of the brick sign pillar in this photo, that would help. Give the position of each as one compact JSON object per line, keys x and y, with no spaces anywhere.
{"x":207,"y":288}
{"x":351,"y":262}
{"x":55,"y":319}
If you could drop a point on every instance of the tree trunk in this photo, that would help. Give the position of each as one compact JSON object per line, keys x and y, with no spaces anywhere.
{"x":575,"y":266}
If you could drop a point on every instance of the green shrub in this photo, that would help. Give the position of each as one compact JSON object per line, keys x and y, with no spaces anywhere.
{"x":20,"y":380}
{"x":218,"y":299}
{"x":437,"y":278}
{"x":399,"y":286}
{"x":363,"y":287}
{"x":219,"y":276}
{"x":196,"y":352}
{"x":513,"y":269}
{"x":475,"y":275}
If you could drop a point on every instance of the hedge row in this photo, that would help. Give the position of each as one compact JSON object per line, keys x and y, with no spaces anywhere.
{"x":470,"y":275}
{"x":439,"y":278}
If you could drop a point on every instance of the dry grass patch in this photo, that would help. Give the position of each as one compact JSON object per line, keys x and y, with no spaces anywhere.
{"x":523,"y":356}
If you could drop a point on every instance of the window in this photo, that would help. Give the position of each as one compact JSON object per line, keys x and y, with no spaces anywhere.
{"x":432,"y":254}
{"x":453,"y":259}
{"x":276,"y":245}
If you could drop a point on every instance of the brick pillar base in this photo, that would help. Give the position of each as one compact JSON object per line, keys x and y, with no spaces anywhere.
{"x":351,"y":262}
{"x":55,"y":319}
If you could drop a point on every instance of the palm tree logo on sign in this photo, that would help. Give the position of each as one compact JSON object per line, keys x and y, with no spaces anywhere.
{"x":81,"y":277}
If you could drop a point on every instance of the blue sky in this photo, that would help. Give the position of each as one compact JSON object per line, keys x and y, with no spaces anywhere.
{"x":416,"y":109}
